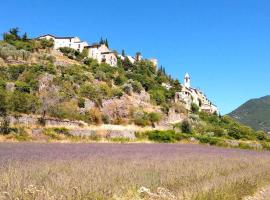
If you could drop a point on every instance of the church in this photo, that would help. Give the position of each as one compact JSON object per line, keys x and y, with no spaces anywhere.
{"x":189,"y":95}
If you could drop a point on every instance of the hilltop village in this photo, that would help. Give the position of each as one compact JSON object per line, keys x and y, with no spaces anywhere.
{"x":98,"y":51}
{"x":101,"y":52}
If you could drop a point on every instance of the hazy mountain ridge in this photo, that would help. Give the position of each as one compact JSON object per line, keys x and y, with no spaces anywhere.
{"x":255,"y":113}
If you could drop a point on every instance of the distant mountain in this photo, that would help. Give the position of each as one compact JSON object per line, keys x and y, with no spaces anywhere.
{"x":255,"y":113}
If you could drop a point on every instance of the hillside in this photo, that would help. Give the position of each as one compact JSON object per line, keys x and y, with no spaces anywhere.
{"x":254,"y":113}
{"x":36,"y":79}
{"x":53,"y":94}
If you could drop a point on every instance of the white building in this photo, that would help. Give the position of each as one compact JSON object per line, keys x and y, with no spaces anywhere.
{"x":154,"y":61}
{"x":189,"y":95}
{"x":72,"y":42}
{"x":102,"y":54}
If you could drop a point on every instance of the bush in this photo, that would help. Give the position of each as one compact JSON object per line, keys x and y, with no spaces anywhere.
{"x":158,"y":96}
{"x":22,"y":87}
{"x":117,"y":92}
{"x":127,"y":88}
{"x":186,"y":127}
{"x":154,"y":117}
{"x":23,"y":102}
{"x":65,"y":110}
{"x":105,"y":119}
{"x":81,"y":102}
{"x":194,"y":108}
{"x":141,"y":118}
{"x":94,"y":116}
{"x":260,"y":135}
{"x":208,"y":140}
{"x":162,"y":136}
{"x":4,"y":126}
{"x":136,"y":86}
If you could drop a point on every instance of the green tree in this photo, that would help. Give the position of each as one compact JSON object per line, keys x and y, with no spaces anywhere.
{"x":3,"y":103}
{"x":186,"y":127}
{"x":106,"y":43}
{"x":24,"y":37}
{"x":123,"y":53}
{"x":154,"y":117}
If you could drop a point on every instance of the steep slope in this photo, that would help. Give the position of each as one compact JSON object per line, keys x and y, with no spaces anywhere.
{"x":255,"y":113}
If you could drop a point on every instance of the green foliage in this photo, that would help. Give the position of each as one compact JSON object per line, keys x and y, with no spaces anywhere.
{"x":22,"y":87}
{"x":227,"y":127}
{"x":194,"y":108}
{"x":162,"y":136}
{"x":3,"y":103}
{"x":186,"y":127}
{"x":81,"y":102}
{"x":65,"y":110}
{"x":141,"y":118}
{"x":158,"y":96}
{"x":73,"y":54}
{"x":23,"y":102}
{"x":61,"y":130}
{"x":4,"y":126}
{"x":154,"y":117}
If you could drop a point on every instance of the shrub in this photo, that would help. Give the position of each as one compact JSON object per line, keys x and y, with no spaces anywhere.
{"x":127,"y":88}
{"x":52,"y":134}
{"x":65,"y":110}
{"x":22,"y":87}
{"x":208,"y":140}
{"x":21,"y":135}
{"x":162,"y":136}
{"x":194,"y":108}
{"x":94,"y":116}
{"x":23,"y":102}
{"x":136,"y":86}
{"x":105,"y":119}
{"x":81,"y":102}
{"x":260,"y":135}
{"x":117,"y":92}
{"x":154,"y":117}
{"x":4,"y":126}
{"x":62,"y":130}
{"x":158,"y":96}
{"x":141,"y":118}
{"x":186,"y":127}
{"x":235,"y":133}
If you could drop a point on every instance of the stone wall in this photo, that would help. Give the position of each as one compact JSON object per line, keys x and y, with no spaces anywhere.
{"x":31,"y":120}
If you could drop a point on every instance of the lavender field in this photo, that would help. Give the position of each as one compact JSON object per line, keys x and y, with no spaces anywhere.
{"x":119,"y":171}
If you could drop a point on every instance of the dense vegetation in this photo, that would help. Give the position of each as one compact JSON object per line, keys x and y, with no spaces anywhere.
{"x":254,"y":113}
{"x":211,"y":129}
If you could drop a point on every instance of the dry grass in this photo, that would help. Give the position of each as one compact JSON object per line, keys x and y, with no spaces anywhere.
{"x":117,"y":171}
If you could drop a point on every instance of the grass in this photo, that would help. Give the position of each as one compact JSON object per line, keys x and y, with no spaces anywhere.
{"x":116,"y":171}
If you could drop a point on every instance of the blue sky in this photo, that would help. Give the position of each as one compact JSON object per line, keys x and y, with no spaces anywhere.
{"x":223,"y":44}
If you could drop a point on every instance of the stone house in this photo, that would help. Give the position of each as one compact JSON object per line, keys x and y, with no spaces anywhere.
{"x":102,"y":54}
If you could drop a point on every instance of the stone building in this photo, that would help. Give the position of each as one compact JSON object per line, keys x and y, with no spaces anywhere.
{"x":189,"y":95}
{"x":102,"y":54}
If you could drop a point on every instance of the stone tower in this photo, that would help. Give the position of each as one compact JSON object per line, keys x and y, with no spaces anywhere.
{"x":187,"y":81}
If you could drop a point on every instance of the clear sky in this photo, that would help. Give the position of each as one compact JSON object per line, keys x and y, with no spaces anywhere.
{"x":223,"y":44}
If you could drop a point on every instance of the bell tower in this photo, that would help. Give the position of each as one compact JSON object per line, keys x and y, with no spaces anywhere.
{"x":187,"y":81}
